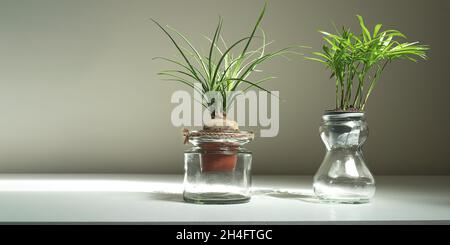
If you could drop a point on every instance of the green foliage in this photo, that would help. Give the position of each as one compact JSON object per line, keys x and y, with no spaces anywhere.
{"x":221,"y":70}
{"x":357,"y":61}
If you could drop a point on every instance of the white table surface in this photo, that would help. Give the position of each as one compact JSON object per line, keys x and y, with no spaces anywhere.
{"x":158,"y":198}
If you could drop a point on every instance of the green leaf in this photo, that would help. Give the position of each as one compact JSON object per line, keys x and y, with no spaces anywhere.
{"x":178,"y":47}
{"x":365,"y":31}
{"x":259,"y":82}
{"x":223,"y":56}
{"x":326,"y":57}
{"x":179,"y":80}
{"x":227,"y":69}
{"x":252,"y":85}
{"x":262,"y":59}
{"x":316,"y":59}
{"x":178,"y":71}
{"x":224,"y":70}
{"x":172,"y":61}
{"x":215,"y":45}
{"x":197,"y":54}
{"x":176,"y":77}
{"x":352,"y":59}
{"x":395,"y":33}
{"x":376,"y":29}
{"x":216,"y":34}
{"x":180,"y":64}
{"x":330,"y":42}
{"x":261,"y":15}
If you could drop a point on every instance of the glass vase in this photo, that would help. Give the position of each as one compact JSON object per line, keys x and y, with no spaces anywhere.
{"x":217,"y":168}
{"x":343,"y":176}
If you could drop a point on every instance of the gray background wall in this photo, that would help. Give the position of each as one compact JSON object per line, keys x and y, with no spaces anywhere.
{"x":79,"y":90}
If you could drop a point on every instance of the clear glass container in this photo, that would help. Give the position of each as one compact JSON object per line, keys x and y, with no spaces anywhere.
{"x":217,"y":168}
{"x":343,"y":176}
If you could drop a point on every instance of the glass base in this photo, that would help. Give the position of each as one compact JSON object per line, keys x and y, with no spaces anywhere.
{"x":344,"y":190}
{"x":344,"y":201}
{"x":215,"y":198}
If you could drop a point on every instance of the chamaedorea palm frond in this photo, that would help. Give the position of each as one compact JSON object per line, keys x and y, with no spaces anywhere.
{"x":221,"y":70}
{"x":357,"y":61}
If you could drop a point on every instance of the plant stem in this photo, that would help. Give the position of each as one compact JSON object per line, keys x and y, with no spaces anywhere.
{"x":349,"y":86}
{"x":224,"y":105}
{"x":342,"y":93}
{"x":373,"y":82}
{"x":361,"y":76}
{"x":337,"y":94}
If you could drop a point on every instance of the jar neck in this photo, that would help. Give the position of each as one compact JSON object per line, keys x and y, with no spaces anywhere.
{"x":344,"y":130}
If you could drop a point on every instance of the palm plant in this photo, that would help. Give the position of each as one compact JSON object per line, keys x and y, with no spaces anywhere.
{"x":357,"y":61}
{"x":220,"y":70}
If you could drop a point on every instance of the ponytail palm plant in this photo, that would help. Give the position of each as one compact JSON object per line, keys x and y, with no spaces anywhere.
{"x":357,"y":61}
{"x":224,"y":68}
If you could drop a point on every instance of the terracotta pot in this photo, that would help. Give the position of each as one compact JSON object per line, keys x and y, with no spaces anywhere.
{"x":218,"y":157}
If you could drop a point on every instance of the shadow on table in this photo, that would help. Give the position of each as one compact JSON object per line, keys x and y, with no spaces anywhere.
{"x":167,"y":196}
{"x":283,"y":194}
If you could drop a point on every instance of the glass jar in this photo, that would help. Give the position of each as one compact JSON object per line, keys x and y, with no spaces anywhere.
{"x":343,"y":176}
{"x":217,"y":168}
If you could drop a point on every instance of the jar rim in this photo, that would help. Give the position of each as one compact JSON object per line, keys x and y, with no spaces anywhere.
{"x":206,"y":136}
{"x":342,"y":115}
